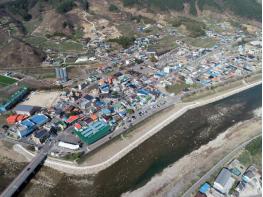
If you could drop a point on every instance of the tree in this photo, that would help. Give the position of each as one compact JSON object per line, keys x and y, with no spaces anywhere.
{"x":65,"y":6}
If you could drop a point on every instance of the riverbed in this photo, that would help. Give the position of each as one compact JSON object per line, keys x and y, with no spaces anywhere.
{"x":186,"y":134}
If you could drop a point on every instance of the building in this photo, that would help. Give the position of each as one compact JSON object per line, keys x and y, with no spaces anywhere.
{"x":200,"y":195}
{"x":224,"y":181}
{"x":249,"y":174}
{"x":25,"y":109}
{"x":93,"y":132}
{"x":68,"y":145}
{"x":40,"y":136}
{"x":39,"y":119}
{"x":204,"y":188}
{"x":15,"y":118}
{"x":25,"y":128}
{"x":13,"y":99}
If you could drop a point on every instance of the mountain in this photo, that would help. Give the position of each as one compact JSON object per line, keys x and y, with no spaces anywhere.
{"x":244,"y":8}
{"x":30,"y":27}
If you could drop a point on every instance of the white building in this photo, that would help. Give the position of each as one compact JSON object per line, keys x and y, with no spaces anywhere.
{"x":68,"y":145}
{"x":224,"y":181}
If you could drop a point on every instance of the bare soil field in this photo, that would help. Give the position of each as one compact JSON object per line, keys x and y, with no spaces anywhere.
{"x":42,"y":98}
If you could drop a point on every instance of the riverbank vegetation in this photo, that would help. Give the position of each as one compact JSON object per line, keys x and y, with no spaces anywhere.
{"x":252,"y":153}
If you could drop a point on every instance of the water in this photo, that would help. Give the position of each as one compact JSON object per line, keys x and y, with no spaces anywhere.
{"x":187,"y":133}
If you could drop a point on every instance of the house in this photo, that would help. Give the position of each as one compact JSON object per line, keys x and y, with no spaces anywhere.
{"x":224,"y":181}
{"x":25,"y":109}
{"x":249,"y":174}
{"x":40,"y":136}
{"x":72,"y":119}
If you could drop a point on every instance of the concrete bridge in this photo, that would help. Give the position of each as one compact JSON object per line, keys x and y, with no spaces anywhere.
{"x":16,"y":184}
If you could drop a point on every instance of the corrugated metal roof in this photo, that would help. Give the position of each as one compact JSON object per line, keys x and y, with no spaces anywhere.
{"x":223,"y":177}
{"x":25,"y":108}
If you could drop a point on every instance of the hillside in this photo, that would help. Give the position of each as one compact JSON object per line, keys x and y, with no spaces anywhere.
{"x":244,"y":8}
{"x":28,"y":28}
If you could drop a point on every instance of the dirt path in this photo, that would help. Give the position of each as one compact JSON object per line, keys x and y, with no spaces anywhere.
{"x":182,"y":173}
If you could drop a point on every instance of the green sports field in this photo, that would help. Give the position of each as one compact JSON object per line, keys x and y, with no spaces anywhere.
{"x":5,"y":81}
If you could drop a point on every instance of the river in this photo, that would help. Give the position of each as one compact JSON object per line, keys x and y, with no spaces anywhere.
{"x":187,"y":133}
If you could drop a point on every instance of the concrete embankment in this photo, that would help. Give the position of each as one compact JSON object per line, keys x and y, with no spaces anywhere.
{"x":72,"y":168}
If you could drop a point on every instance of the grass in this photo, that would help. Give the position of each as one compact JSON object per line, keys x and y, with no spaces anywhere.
{"x":6,"y":81}
{"x":32,"y":24}
{"x":73,"y":156}
{"x":178,"y":87}
{"x":166,"y":43}
{"x":201,"y":42}
{"x":252,"y":153}
{"x":212,"y":90}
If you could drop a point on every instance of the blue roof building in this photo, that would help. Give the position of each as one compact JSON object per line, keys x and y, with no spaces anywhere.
{"x":204,"y":188}
{"x":106,"y":112}
{"x":39,"y":119}
{"x":25,"y":128}
{"x":13,"y":99}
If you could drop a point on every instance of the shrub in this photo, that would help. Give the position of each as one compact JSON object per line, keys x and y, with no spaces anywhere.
{"x":124,"y":41}
{"x":113,"y":8}
{"x":65,"y":6}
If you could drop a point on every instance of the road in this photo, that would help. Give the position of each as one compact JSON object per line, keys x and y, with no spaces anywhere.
{"x":27,"y":171}
{"x":215,"y":168}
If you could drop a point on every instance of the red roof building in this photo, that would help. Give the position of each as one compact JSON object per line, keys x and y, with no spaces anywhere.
{"x":15,"y":118}
{"x":72,"y":119}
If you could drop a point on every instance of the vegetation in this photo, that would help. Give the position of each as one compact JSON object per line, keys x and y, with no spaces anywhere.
{"x":160,"y":4}
{"x":252,"y":153}
{"x":65,"y":6}
{"x":73,"y":156}
{"x":195,"y":28}
{"x":20,"y":7}
{"x":178,"y":87}
{"x":5,"y":81}
{"x":113,"y":8}
{"x":43,"y":43}
{"x":244,"y":8}
{"x":84,"y":4}
{"x":206,"y":4}
{"x":124,"y":41}
{"x":192,"y":8}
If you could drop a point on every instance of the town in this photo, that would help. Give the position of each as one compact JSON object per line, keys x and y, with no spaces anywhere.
{"x":132,"y":85}
{"x":164,"y":96}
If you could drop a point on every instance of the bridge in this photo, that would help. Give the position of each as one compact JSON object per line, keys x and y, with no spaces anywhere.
{"x":27,"y":172}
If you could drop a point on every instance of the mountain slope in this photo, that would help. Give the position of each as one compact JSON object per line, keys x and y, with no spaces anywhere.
{"x":244,"y":8}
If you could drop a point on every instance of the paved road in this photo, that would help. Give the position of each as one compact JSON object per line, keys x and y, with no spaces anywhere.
{"x":27,"y":171}
{"x":219,"y":165}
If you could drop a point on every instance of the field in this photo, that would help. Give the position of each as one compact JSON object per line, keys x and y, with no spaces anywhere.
{"x":44,"y":43}
{"x":6,"y":81}
{"x":201,"y":42}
